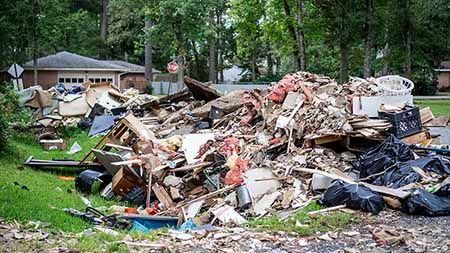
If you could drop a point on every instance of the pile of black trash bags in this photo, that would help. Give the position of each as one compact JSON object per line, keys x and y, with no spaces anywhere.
{"x":392,"y":164}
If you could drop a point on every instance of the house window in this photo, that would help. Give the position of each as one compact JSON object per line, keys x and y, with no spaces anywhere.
{"x":80,"y":80}
{"x":67,"y":80}
{"x":110,"y":80}
{"x":97,"y":80}
{"x":61,"y":80}
{"x":74,"y":80}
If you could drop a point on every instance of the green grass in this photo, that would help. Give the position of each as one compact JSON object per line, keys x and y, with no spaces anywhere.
{"x":320,"y":223}
{"x":438,"y":107}
{"x":47,"y":194}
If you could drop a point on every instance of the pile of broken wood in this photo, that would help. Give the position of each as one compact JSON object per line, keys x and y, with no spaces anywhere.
{"x":201,"y":156}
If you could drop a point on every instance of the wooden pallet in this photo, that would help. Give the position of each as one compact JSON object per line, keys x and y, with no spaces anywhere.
{"x":123,"y":133}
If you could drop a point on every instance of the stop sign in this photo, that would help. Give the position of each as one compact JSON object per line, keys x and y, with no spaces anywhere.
{"x":172,"y":67}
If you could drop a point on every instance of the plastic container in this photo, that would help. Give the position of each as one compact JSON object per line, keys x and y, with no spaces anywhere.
{"x":404,"y":123}
{"x":394,"y":85}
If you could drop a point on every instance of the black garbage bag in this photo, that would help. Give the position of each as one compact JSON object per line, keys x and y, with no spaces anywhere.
{"x":391,"y":151}
{"x":354,"y":196}
{"x":425,"y":203}
{"x":398,"y":176}
{"x":437,"y":164}
{"x":91,"y":181}
{"x":403,"y":173}
{"x":84,"y":123}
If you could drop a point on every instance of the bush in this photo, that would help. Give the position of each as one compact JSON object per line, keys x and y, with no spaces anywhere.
{"x":148,"y":89}
{"x":424,"y":84}
{"x":10,"y":113}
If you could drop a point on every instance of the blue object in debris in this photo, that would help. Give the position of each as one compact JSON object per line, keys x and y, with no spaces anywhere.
{"x":136,"y":226}
{"x":75,"y":89}
{"x":187,"y":225}
{"x":145,"y":224}
{"x":60,"y":88}
{"x":101,"y":124}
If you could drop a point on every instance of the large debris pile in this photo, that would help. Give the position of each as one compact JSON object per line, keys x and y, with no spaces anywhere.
{"x":252,"y":153}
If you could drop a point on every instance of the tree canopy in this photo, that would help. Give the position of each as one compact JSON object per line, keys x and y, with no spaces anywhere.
{"x":339,"y":38}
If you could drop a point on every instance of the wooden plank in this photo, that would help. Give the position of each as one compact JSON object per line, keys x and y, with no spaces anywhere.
{"x":200,"y":91}
{"x":118,"y":147}
{"x":207,"y":196}
{"x":380,"y":189}
{"x":329,"y":209}
{"x":416,"y":138}
{"x":327,"y":139}
{"x":162,"y":195}
{"x":191,"y":167}
{"x":426,"y":115}
{"x":439,"y":122}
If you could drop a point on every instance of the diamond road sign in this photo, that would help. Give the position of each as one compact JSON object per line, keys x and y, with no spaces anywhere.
{"x":15,"y":70}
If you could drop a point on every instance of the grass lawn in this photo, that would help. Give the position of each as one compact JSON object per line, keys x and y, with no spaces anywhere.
{"x":301,"y":223}
{"x":438,"y":107}
{"x":47,"y":193}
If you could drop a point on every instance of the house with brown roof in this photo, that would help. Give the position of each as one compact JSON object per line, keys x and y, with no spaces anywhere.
{"x":69,"y":68}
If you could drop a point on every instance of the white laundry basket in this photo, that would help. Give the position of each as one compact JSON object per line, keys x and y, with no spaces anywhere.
{"x":394,"y":85}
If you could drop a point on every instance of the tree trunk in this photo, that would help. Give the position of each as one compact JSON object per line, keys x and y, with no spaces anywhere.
{"x":212,"y":50}
{"x":148,"y":53}
{"x":301,"y":37}
{"x":407,"y":31}
{"x":292,"y":32}
{"x":180,"y":50}
{"x":219,"y":57}
{"x":253,"y":67}
{"x":148,"y":57}
{"x":386,"y":52}
{"x":343,"y":43}
{"x":103,"y":29}
{"x":35,"y":44}
{"x":269,"y":63}
{"x":368,"y":39}
{"x":196,"y":59}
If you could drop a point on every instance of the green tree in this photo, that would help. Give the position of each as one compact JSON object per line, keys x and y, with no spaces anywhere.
{"x":247,"y":16}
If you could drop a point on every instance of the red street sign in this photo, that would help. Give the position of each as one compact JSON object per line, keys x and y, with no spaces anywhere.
{"x":172,"y":67}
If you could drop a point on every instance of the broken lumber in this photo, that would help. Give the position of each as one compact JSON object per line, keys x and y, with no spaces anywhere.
{"x":329,"y":209}
{"x":207,"y":196}
{"x":191,"y":167}
{"x":200,"y":91}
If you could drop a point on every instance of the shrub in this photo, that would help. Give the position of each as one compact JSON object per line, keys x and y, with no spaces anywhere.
{"x":148,"y":89}
{"x":10,"y":113}
{"x":424,"y":83}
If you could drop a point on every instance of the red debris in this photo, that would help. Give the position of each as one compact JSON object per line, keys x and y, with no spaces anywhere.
{"x":230,"y":145}
{"x":203,"y":148}
{"x":275,"y":141}
{"x":234,"y":176}
{"x":281,"y":89}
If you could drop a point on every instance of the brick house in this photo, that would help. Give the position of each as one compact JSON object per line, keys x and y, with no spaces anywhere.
{"x":69,"y":68}
{"x":444,"y":75}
